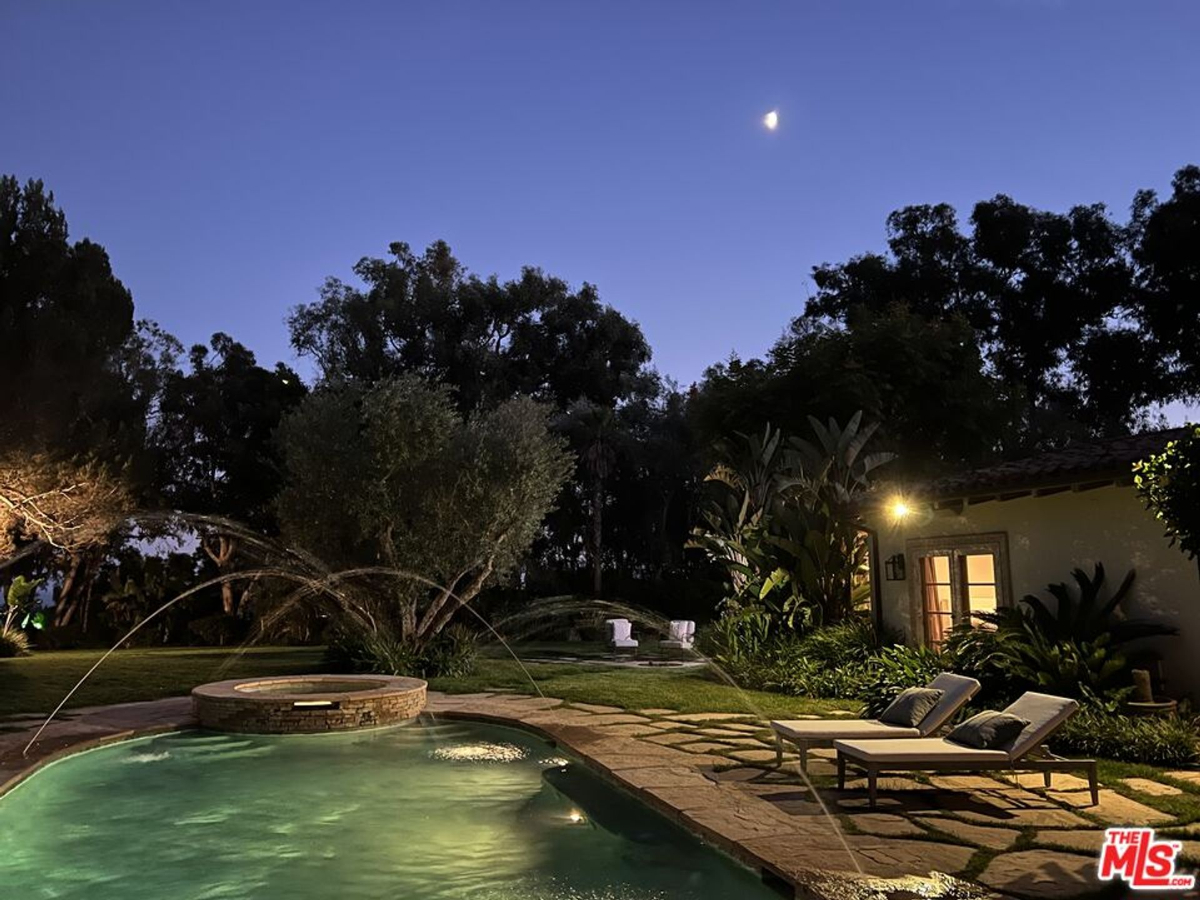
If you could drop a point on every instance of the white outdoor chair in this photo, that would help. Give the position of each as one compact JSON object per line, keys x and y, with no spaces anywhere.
{"x":620,"y":634}
{"x":681,"y":635}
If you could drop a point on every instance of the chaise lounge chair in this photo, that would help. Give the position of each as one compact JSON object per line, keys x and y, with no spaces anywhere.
{"x":803,"y":733}
{"x":1025,"y":752}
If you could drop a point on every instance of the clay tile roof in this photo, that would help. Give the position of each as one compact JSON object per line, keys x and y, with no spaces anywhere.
{"x":1076,"y":463}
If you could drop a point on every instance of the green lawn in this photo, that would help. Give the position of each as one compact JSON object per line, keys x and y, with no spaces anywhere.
{"x":691,"y":690}
{"x":37,"y":683}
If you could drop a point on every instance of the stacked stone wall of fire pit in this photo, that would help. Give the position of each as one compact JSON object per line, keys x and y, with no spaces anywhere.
{"x":307,"y":704}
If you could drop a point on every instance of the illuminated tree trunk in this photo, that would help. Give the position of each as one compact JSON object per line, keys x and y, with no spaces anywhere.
{"x":221,"y":553}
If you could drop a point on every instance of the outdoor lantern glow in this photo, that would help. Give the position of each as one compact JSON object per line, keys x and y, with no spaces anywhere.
{"x":575,"y":817}
{"x":899,"y":509}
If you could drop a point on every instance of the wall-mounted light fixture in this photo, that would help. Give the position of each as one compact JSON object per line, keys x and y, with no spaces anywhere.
{"x":893,"y":567}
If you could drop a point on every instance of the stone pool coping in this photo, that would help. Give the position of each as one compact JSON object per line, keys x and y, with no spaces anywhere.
{"x":78,"y":730}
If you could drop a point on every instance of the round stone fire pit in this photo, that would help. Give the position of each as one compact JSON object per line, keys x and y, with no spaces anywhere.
{"x":305,"y":704}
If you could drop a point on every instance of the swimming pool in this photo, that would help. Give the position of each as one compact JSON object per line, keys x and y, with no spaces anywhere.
{"x":459,"y":810}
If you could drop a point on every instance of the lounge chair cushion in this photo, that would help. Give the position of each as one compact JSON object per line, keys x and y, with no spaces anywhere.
{"x":956,"y":691}
{"x":1044,"y":712}
{"x":911,"y":706}
{"x":913,"y":753}
{"x":825,"y":730}
{"x":989,"y":730}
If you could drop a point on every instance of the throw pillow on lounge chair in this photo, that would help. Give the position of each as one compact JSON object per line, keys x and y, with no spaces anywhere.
{"x":911,"y":706}
{"x":989,"y":730}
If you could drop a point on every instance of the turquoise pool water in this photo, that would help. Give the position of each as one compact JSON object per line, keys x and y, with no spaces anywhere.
{"x":421,"y":811}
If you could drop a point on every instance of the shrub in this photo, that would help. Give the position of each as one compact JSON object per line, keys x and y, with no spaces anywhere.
{"x":1077,"y":646}
{"x":740,"y":641}
{"x":793,"y":672}
{"x":852,"y":641}
{"x":896,"y":668}
{"x":13,"y":643}
{"x":984,"y":654}
{"x":450,"y":653}
{"x":1168,"y":741}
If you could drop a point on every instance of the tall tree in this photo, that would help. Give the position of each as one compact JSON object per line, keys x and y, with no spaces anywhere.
{"x":594,"y":434}
{"x":392,"y":475}
{"x":1165,"y":239}
{"x":488,"y":339}
{"x":491,"y":340}
{"x":922,"y":378}
{"x":218,"y":455}
{"x":73,"y":453}
{"x":1082,"y":323}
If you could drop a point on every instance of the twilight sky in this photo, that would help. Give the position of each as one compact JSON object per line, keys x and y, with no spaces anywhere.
{"x":232,"y":155}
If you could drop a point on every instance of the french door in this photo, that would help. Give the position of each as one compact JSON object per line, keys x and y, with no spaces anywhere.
{"x":957,"y":580}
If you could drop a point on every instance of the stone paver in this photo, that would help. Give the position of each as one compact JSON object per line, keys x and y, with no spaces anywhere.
{"x":670,"y":738}
{"x":745,"y":742}
{"x":1114,"y":808}
{"x":1085,"y":841}
{"x":745,"y":727}
{"x":760,"y":756}
{"x":991,"y":837}
{"x":657,"y":711}
{"x":629,"y":730}
{"x":1042,"y":873}
{"x":597,"y":708}
{"x":1049,"y":816}
{"x":710,"y":717}
{"x":1191,"y":776}
{"x":1060,"y":781}
{"x":1153,"y":788}
{"x":615,"y":719}
{"x":720,"y":732}
{"x":885,"y":824}
{"x":703,"y":747}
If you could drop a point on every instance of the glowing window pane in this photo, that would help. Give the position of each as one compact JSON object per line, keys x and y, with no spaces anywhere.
{"x":941,"y":569}
{"x":981,"y":569}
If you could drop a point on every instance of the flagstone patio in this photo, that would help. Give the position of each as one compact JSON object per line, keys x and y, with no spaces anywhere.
{"x":941,"y":836}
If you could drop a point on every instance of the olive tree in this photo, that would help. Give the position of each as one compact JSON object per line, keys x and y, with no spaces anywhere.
{"x":391,"y":477}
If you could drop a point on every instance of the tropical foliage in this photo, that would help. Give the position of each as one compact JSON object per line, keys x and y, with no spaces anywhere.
{"x":20,"y":609}
{"x":781,"y":520}
{"x":1078,"y":646}
{"x":1169,"y":484}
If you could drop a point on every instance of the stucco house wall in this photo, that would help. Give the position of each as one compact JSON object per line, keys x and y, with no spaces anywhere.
{"x":1048,"y":536}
